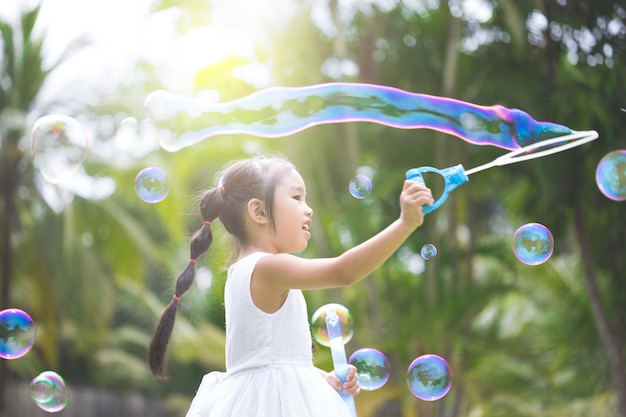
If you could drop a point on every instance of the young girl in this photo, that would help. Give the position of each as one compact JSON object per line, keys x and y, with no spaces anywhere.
{"x":269,"y":367}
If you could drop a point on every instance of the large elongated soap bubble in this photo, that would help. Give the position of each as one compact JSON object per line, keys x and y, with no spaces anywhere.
{"x":282,"y":111}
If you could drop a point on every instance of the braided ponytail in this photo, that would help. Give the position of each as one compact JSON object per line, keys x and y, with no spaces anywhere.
{"x":211,"y":206}
{"x":250,"y":178}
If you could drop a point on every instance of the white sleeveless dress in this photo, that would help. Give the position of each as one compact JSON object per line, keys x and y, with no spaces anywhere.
{"x":269,"y":365}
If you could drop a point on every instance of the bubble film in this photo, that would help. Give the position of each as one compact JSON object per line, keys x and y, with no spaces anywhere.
{"x":318,"y":323}
{"x":360,"y":187}
{"x":49,"y":392}
{"x":429,"y":377}
{"x":533,"y":244}
{"x":429,"y":251}
{"x":59,"y":145}
{"x":151,"y":185}
{"x":17,"y":333}
{"x":611,"y":175}
{"x":372,"y":368}
{"x":282,"y":111}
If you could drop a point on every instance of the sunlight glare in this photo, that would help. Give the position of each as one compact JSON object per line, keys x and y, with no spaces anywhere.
{"x":238,"y":28}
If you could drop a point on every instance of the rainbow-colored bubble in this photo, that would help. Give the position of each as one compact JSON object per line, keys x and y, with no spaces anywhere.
{"x":611,"y":175}
{"x":372,"y":366}
{"x":282,"y":111}
{"x":59,"y":145}
{"x":151,"y":185}
{"x":533,"y":244}
{"x":360,"y":187}
{"x":17,"y":333}
{"x":49,"y":392}
{"x":429,"y":377}
{"x":318,"y":323}
{"x":428,"y":251}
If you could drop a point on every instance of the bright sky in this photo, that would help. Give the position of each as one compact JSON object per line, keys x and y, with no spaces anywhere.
{"x":113,"y":27}
{"x":121,"y":31}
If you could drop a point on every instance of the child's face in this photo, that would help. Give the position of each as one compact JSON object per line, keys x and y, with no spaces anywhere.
{"x":292,"y":216}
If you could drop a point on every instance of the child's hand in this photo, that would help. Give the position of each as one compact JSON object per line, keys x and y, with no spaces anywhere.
{"x":351,"y":385}
{"x":414,"y":195}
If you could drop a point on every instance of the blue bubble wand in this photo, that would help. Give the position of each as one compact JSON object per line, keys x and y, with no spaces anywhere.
{"x":457,"y":175}
{"x":338,"y":352}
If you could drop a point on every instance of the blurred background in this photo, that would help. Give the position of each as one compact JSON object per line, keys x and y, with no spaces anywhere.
{"x":93,"y":264}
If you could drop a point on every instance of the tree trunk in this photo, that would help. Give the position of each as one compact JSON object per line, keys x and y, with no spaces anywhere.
{"x":601,"y":320}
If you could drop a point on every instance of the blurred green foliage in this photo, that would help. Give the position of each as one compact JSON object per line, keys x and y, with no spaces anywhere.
{"x":521,"y":340}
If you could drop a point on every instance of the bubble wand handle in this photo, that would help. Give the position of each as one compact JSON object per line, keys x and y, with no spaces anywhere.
{"x":338,"y":352}
{"x":452,"y":176}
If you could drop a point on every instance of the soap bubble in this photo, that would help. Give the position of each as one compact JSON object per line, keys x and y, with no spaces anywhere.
{"x":129,"y":124}
{"x":49,"y":391}
{"x":318,"y":323}
{"x":372,"y":368}
{"x":151,"y":185}
{"x":360,"y":187}
{"x":282,"y":111}
{"x":59,"y":145}
{"x":533,"y":244}
{"x":429,"y":251}
{"x":17,"y":333}
{"x":429,"y":377}
{"x":611,"y":175}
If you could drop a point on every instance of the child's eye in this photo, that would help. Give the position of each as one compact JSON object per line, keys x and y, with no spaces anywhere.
{"x":297,"y":197}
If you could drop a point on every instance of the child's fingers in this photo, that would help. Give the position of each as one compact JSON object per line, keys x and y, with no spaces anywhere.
{"x":419,"y":197}
{"x":351,"y":386}
{"x":414,"y":185}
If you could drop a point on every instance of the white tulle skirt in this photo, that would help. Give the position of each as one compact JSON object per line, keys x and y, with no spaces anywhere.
{"x":272,"y":391}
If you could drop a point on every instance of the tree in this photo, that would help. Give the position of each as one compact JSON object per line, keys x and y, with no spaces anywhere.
{"x":511,"y":58}
{"x":23,"y":74}
{"x":506,"y":329}
{"x":565,"y":186}
{"x":60,"y":262}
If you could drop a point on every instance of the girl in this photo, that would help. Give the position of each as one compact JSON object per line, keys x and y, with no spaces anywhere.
{"x":269,"y":371}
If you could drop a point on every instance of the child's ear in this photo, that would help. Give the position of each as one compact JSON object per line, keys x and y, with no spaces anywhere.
{"x":256,"y":211}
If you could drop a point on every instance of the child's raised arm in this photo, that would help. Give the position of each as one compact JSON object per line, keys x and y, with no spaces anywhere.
{"x":281,"y":272}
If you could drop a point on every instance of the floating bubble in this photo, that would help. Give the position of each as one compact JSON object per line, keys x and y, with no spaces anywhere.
{"x":283,"y":111}
{"x":17,"y":333}
{"x":429,"y":251}
{"x":49,"y":391}
{"x":151,"y":185}
{"x":360,"y":187}
{"x":129,"y":124}
{"x":372,"y":368}
{"x":611,"y":175}
{"x":533,"y":244}
{"x":318,"y":323}
{"x":429,"y":377}
{"x":59,"y":145}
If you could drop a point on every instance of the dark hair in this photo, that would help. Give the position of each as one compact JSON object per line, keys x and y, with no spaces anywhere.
{"x":240,"y":182}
